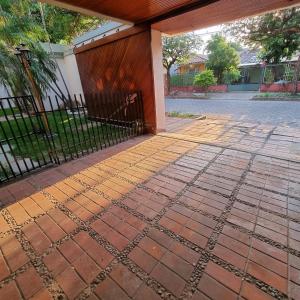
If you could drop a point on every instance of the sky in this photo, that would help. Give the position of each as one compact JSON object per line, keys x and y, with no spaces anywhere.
{"x":207,"y":33}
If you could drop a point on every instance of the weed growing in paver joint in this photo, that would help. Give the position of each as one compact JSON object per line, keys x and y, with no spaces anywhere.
{"x":176,"y":114}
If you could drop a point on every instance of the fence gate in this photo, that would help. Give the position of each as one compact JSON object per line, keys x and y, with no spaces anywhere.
{"x":64,"y":128}
{"x":243,"y":87}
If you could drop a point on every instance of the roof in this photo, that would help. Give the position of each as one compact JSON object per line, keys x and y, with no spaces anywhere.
{"x":249,"y":57}
{"x":104,"y":30}
{"x":173,"y":16}
{"x":199,"y":58}
{"x":58,"y":50}
{"x":124,"y":11}
{"x":196,"y":59}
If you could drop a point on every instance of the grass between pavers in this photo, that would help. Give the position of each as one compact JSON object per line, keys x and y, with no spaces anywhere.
{"x":66,"y":139}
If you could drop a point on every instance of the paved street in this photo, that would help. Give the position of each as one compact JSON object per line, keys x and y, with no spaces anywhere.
{"x":241,"y":108}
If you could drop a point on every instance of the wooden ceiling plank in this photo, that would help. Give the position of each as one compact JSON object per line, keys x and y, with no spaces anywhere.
{"x":220,"y":12}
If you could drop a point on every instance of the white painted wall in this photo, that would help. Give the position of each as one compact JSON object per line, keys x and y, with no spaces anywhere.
{"x":156,"y":48}
{"x":72,"y":74}
{"x":69,"y":70}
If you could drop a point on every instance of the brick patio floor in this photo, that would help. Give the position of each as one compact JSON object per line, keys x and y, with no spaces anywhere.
{"x":209,"y":210}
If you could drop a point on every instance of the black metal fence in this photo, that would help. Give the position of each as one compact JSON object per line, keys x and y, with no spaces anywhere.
{"x":34,"y":135}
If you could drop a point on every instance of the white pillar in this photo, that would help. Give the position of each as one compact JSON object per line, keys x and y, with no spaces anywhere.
{"x":158,"y":79}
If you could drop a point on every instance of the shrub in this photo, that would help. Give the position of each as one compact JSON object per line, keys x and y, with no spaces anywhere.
{"x":205,"y":79}
{"x":231,"y":75}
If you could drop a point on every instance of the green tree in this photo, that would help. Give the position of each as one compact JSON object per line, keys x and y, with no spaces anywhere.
{"x":21,"y":22}
{"x":16,"y":26}
{"x":221,"y":56}
{"x":62,"y":25}
{"x":205,"y":79}
{"x":178,"y":49}
{"x":236,"y":45}
{"x":277,"y":34}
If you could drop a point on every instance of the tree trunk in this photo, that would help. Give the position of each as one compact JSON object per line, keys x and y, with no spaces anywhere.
{"x":168,"y":81}
{"x":219,"y":76}
{"x":296,"y":76}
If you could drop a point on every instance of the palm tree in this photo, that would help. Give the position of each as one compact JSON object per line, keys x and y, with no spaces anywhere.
{"x":17,"y":26}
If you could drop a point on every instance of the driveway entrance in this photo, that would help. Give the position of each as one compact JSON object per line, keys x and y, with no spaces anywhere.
{"x":239,"y":106}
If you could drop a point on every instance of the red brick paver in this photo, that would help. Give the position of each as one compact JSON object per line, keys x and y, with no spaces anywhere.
{"x":208,"y":211}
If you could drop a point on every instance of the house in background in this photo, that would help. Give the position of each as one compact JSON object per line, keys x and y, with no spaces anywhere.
{"x":196,"y":64}
{"x":250,"y":66}
{"x":252,"y":69}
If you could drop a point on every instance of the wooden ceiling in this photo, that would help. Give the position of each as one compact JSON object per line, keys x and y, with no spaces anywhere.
{"x":174,"y":16}
{"x":133,"y":11}
{"x":219,"y":12}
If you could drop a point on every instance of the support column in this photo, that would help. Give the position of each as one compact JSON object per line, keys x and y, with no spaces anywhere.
{"x":158,"y":80}
{"x":129,"y":60}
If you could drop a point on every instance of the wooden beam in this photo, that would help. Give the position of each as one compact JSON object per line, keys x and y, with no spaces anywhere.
{"x":85,"y":11}
{"x":181,"y":10}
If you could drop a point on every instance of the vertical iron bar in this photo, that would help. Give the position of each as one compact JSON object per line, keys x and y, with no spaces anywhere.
{"x":44,"y":126}
{"x":57,"y":129}
{"x":49,"y":134}
{"x":141,"y":106}
{"x":126,"y":99}
{"x":64,"y":127}
{"x":108,"y":127}
{"x":130,"y":114}
{"x":20,"y":131}
{"x":33,"y":133}
{"x":71,"y":130}
{"x":97,"y":119}
{"x":115,"y":100}
{"x":120,"y":116}
{"x":5,"y":173}
{"x":122,"y":105}
{"x":76,"y":128}
{"x":27,"y":130}
{"x":88,"y":128}
{"x":136,"y":116}
{"x":10,"y":149}
{"x":114,"y":106}
{"x":15,"y":138}
{"x":82,"y":129}
{"x":8,"y":162}
{"x":101,"y":105}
